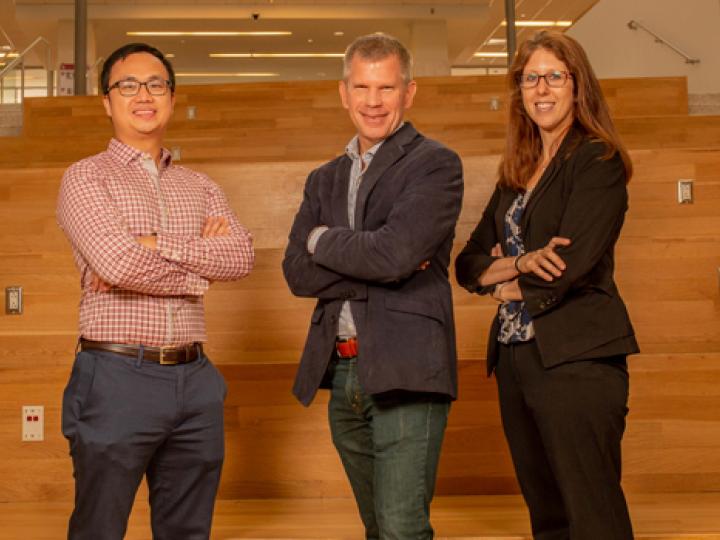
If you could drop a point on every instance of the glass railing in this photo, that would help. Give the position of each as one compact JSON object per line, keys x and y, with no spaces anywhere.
{"x":22,"y":82}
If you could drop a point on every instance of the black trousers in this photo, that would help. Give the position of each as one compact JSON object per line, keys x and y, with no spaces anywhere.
{"x":564,"y":426}
{"x":126,"y":418}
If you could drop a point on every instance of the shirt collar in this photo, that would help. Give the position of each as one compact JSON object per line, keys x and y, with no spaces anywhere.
{"x":127,"y":154}
{"x":352,"y":149}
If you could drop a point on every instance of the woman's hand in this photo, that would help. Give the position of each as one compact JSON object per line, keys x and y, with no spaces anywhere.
{"x":544,"y":262}
{"x":509,"y":291}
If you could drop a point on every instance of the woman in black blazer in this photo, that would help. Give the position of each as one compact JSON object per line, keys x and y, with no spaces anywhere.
{"x":544,"y":250}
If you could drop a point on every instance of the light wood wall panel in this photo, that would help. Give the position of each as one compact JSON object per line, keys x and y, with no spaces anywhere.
{"x":274,"y":122}
{"x":260,"y":147}
{"x":667,"y":270}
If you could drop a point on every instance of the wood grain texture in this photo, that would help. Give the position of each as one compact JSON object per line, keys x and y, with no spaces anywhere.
{"x":655,"y":517}
{"x":667,"y":262}
{"x":276,"y":122}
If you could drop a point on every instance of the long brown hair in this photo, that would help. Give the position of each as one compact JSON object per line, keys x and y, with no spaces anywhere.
{"x":523,"y":149}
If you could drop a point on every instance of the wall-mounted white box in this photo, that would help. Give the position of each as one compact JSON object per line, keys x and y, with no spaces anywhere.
{"x":33,"y":423}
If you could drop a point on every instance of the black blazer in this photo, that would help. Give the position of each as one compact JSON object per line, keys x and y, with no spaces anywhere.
{"x":583,"y":197}
{"x":407,"y":206}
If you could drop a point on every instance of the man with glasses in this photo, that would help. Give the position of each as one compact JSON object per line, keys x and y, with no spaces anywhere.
{"x":148,"y":238}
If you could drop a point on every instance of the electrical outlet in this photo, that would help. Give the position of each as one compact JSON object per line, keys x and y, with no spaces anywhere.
{"x":685,"y":191}
{"x":33,"y":423}
{"x":191,"y":112}
{"x":13,"y":300}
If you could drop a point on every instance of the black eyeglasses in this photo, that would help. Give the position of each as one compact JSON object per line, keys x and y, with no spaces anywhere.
{"x":131,"y":87}
{"x":554,"y":79}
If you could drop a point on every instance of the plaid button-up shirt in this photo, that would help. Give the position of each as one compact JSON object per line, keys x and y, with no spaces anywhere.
{"x":109,"y":199}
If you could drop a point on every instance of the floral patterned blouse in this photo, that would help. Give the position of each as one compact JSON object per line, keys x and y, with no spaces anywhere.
{"x":515,"y":322}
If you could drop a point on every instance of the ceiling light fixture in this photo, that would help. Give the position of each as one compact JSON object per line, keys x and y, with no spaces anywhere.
{"x":540,"y":23}
{"x":220,"y":74}
{"x":496,"y":41}
{"x":211,"y":34}
{"x":276,"y":55}
{"x":490,"y":55}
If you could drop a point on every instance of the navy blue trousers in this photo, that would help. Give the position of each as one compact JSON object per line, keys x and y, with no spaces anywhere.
{"x":127,"y":418}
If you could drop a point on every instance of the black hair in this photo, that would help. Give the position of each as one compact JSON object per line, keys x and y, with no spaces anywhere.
{"x":126,"y":50}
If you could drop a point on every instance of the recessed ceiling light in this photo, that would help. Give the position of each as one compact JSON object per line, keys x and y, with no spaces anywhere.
{"x":339,"y":33}
{"x":210,"y":34}
{"x":169,"y":55}
{"x":490,"y":55}
{"x":220,"y":74}
{"x":310,"y":40}
{"x":540,"y":23}
{"x":276,"y":55}
{"x":496,"y":41}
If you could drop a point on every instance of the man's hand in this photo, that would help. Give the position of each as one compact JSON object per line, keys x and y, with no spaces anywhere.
{"x":216,"y":226}
{"x":97,"y":284}
{"x":147,"y":241}
{"x":544,"y":262}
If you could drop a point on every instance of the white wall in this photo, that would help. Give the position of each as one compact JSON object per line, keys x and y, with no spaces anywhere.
{"x":429,"y":46}
{"x":616,"y":51}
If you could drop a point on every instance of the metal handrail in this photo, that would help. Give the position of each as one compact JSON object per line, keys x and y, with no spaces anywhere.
{"x":634,"y":25}
{"x":98,"y":62}
{"x":95,"y":65}
{"x":7,"y":38}
{"x":20,"y":59}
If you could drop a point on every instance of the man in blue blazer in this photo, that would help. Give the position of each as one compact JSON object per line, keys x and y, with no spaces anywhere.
{"x":372,"y":243}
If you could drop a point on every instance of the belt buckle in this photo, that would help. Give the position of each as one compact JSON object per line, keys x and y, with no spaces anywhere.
{"x":165,"y":362}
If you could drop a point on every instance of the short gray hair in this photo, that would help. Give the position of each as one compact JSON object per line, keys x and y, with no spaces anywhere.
{"x":378,"y":47}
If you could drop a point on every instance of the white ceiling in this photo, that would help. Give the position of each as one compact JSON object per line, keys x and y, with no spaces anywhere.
{"x":461,"y":27}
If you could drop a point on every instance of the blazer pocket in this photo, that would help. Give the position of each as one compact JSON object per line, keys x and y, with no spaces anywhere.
{"x":415,"y":306}
{"x":601,"y":290}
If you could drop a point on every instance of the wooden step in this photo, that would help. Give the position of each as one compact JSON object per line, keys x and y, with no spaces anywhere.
{"x":688,"y":516}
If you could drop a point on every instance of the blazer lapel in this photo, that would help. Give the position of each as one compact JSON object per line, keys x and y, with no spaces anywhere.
{"x":390,"y":151}
{"x":548,"y":176}
{"x":545,"y":180}
{"x":339,"y":203}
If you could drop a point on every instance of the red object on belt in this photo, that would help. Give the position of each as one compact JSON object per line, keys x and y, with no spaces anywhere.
{"x":347,"y":348}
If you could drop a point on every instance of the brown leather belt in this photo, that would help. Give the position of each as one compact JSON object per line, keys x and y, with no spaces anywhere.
{"x":346,"y":348}
{"x":162,"y":355}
